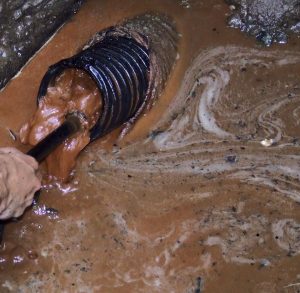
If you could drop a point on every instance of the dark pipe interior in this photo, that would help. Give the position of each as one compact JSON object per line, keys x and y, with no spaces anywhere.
{"x":120,"y":67}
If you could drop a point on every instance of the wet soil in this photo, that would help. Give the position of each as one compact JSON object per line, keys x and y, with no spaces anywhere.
{"x":202,"y":195}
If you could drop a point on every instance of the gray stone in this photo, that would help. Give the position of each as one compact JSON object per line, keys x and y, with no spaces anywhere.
{"x":268,"y":20}
{"x":25,"y":25}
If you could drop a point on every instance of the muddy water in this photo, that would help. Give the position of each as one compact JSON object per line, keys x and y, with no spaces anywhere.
{"x":203,"y":193}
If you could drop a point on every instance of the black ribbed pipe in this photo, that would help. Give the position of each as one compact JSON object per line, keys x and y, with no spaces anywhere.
{"x":120,"y":67}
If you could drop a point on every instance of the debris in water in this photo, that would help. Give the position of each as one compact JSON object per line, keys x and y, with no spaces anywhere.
{"x":267,"y":142}
{"x":198,"y":285}
{"x":231,"y":159}
{"x":264,"y":263}
{"x":12,"y":134}
{"x":185,"y":3}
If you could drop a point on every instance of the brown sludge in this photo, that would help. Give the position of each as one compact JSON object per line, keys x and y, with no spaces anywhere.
{"x":191,"y":201}
{"x":73,"y":91}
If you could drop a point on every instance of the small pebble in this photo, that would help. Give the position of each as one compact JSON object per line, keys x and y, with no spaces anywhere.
{"x":231,"y":159}
{"x":265,"y":263}
{"x":267,"y":142}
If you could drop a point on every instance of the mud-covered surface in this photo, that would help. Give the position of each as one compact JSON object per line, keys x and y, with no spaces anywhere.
{"x":201,"y":196}
{"x":73,"y":91}
{"x":25,"y":25}
{"x":268,"y":20}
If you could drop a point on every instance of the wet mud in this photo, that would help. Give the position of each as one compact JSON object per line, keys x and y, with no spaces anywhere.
{"x":73,"y":91}
{"x":202,"y":195}
{"x":268,"y":20}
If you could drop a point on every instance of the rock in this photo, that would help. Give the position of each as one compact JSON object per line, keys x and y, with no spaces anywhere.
{"x":25,"y":25}
{"x":268,"y":20}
